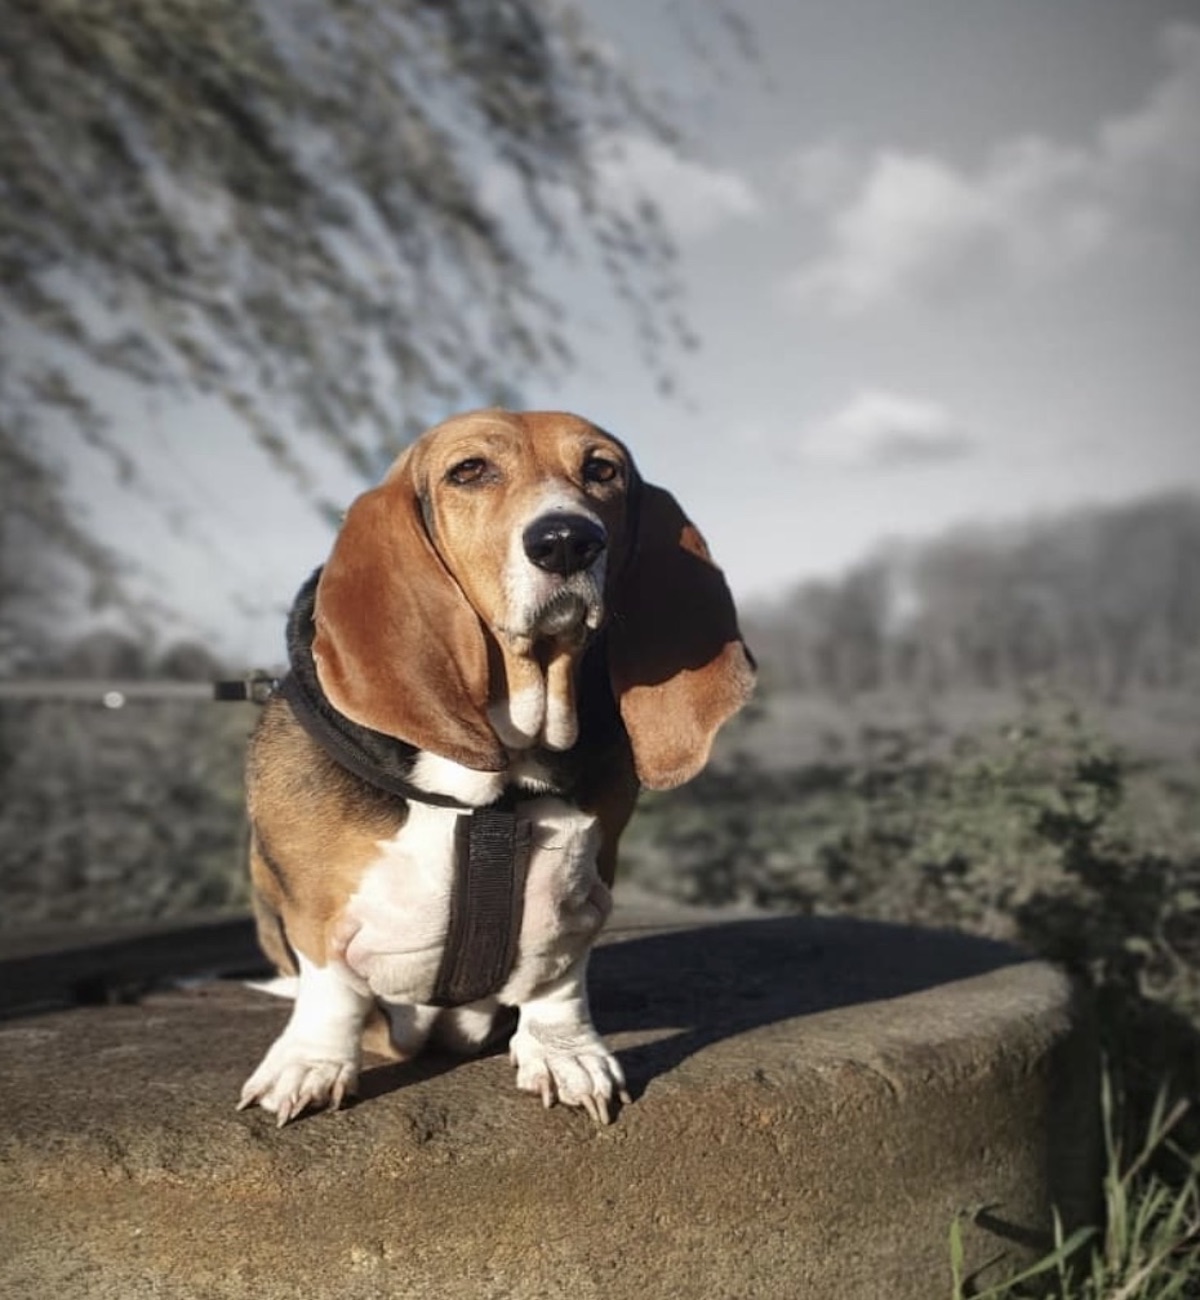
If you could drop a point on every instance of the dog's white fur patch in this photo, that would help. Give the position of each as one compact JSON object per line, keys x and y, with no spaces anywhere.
{"x":278,"y":986}
{"x":315,"y":1061}
{"x":395,"y":923}
{"x":437,"y":775}
{"x":467,"y":1029}
{"x":394,"y":927}
{"x":566,"y":902}
{"x":410,"y":1025}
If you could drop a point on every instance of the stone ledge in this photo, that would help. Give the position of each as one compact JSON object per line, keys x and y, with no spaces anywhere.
{"x":48,"y":968}
{"x":814,"y":1102}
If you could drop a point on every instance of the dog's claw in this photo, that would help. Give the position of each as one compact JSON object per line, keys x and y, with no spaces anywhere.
{"x":576,"y":1071}
{"x":289,"y":1082}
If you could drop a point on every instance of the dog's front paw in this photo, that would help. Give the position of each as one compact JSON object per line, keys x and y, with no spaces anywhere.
{"x":292,"y":1078}
{"x":571,"y":1066}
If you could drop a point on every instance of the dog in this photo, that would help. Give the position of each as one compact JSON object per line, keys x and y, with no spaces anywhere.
{"x":512,"y":635}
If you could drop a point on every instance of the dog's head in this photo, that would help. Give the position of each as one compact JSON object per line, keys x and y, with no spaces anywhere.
{"x":461,"y":592}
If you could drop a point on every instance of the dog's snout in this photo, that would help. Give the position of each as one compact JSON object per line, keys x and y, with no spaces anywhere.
{"x":564,"y":543}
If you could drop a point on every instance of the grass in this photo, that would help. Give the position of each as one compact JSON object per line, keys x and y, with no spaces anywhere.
{"x":1149,"y":1245}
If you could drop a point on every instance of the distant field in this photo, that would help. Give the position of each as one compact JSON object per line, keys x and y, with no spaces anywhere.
{"x":786,"y":729}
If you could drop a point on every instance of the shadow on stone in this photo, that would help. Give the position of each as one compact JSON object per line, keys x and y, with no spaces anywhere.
{"x":720,"y":980}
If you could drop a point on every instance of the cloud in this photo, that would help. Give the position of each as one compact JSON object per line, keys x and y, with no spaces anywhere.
{"x":914,"y":224}
{"x":821,"y":176}
{"x":878,"y":429}
{"x":694,"y":198}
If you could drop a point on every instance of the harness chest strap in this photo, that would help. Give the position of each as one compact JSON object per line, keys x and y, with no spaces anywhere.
{"x":486,"y":906}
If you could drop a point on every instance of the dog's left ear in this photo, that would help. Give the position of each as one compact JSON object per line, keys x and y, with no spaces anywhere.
{"x":678,"y":665}
{"x":397,"y":647}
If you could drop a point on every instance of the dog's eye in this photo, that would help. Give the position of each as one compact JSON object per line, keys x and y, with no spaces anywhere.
{"x":467,"y":471}
{"x":598,"y":469}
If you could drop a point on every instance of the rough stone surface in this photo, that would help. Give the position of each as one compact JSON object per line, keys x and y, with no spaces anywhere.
{"x":815,"y":1101}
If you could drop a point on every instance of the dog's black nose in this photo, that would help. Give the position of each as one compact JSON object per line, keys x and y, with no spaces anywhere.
{"x":562,"y":543}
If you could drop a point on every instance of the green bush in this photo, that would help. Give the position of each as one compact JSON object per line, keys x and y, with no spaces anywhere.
{"x":1032,"y":832}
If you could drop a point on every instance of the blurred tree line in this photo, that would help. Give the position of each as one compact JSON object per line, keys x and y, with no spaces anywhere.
{"x":125,"y":814}
{"x":1100,"y":599}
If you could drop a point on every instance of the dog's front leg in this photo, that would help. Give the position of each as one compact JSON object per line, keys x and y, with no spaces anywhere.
{"x":315,"y":1061}
{"x":558,"y":1053}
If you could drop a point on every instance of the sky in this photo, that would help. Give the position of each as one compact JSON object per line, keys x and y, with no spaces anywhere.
{"x":943,"y":261}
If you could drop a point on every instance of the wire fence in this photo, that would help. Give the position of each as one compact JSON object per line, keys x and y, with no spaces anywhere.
{"x":116,"y":693}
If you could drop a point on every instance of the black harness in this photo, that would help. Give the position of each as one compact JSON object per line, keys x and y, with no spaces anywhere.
{"x":492,"y":842}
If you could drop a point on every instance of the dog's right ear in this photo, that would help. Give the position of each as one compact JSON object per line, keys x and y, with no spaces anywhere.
{"x":677,"y":662}
{"x":398,"y":648}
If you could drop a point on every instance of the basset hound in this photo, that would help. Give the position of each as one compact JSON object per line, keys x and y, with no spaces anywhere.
{"x":513,"y":633}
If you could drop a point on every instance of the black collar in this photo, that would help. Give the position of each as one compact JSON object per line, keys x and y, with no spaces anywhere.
{"x":381,"y":760}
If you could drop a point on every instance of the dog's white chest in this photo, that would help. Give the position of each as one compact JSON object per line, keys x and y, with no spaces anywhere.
{"x":396,"y":923}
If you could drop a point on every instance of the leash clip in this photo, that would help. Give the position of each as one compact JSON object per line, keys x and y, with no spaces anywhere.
{"x":255,"y":688}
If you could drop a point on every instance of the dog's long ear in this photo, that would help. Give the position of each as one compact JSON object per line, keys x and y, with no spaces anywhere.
{"x":397,"y":646}
{"x":677,"y":662}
